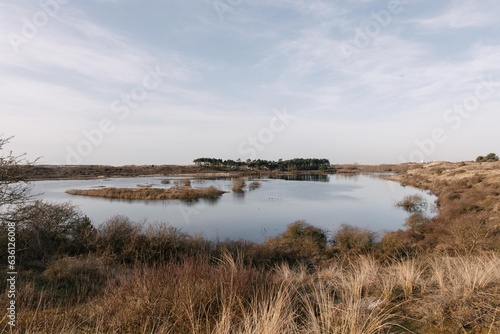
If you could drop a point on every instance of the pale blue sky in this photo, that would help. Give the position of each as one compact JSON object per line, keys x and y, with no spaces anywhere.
{"x":170,"y":81}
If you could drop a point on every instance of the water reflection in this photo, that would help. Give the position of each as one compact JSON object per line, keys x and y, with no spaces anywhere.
{"x":356,"y":177}
{"x":193,"y":202}
{"x":350,"y":177}
{"x":326,"y":201}
{"x":304,"y":177}
{"x":239,"y":195}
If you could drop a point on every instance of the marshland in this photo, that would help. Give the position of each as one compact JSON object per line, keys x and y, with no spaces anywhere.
{"x":181,"y":193}
{"x":436,"y":273}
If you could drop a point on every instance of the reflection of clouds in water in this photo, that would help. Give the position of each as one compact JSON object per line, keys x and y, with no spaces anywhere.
{"x":345,"y":197}
{"x":305,"y":177}
{"x":362,"y":200}
{"x":348,"y":177}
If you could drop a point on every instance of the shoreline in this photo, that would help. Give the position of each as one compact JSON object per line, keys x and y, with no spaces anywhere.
{"x":95,"y":172}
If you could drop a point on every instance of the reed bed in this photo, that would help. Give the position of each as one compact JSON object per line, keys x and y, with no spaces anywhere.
{"x":180,"y":193}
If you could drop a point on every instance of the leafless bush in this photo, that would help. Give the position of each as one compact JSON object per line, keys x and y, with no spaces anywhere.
{"x":354,"y":239}
{"x":412,"y":204}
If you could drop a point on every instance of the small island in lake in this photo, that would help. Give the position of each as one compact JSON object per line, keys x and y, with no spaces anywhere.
{"x":181,"y":193}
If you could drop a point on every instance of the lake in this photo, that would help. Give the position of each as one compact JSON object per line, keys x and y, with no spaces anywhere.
{"x":325,"y":201}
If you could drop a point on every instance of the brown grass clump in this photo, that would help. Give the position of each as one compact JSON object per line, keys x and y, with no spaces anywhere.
{"x":181,"y":193}
{"x":254,"y":185}
{"x":238,"y":184}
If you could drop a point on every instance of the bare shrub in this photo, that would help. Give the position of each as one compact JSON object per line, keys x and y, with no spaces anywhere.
{"x":14,"y":172}
{"x":300,"y":241}
{"x":354,"y":239}
{"x":416,"y":219}
{"x":395,"y":244}
{"x":412,"y":204}
{"x":118,"y":236}
{"x":49,"y":229}
{"x":473,"y":232}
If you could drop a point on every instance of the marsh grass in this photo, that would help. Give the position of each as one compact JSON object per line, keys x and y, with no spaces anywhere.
{"x":238,"y":184}
{"x":181,"y":193}
{"x":200,"y":294}
{"x":254,"y":185}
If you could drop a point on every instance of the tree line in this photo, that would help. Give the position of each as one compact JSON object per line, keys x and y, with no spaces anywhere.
{"x":283,"y":165}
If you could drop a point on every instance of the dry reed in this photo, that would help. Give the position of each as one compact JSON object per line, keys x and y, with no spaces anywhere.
{"x":181,"y":193}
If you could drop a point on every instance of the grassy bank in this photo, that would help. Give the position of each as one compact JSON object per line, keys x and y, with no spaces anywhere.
{"x":468,"y":202}
{"x":182,"y":193}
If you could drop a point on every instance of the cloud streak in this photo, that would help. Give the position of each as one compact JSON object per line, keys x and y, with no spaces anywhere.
{"x":223,"y":79}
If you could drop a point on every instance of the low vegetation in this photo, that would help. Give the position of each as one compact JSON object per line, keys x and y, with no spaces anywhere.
{"x":468,"y":211}
{"x":181,"y":193}
{"x":254,"y":185}
{"x":238,"y":184}
{"x":413,"y":204}
{"x":439,"y":275}
{"x":488,"y":158}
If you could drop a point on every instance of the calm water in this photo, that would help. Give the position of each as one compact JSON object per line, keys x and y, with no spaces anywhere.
{"x":326,"y":202}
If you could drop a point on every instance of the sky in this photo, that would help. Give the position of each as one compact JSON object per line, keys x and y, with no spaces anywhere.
{"x":121,"y":82}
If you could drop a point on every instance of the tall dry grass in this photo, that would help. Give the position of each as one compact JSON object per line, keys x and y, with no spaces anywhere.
{"x":199,"y":295}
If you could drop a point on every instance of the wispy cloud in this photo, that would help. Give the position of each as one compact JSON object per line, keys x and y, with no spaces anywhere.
{"x":222,"y":78}
{"x":465,"y":14}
